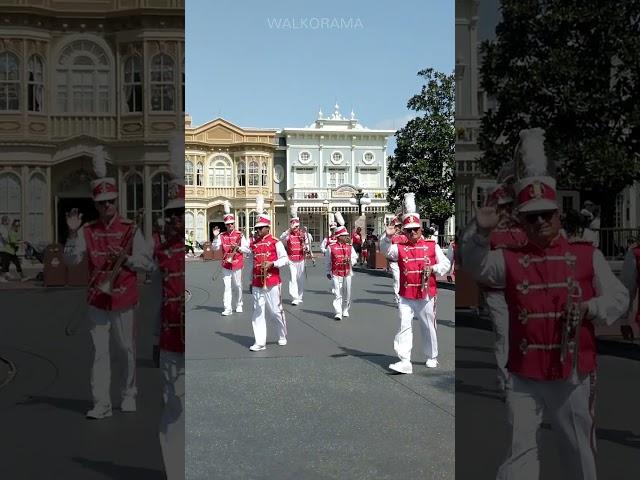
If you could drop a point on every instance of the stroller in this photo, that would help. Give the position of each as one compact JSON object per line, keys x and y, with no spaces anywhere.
{"x":33,"y":252}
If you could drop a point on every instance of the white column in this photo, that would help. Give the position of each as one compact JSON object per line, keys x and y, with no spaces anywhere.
{"x":321,"y":184}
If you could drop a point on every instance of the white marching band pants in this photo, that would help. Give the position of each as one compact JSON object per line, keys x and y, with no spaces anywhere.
{"x":425,"y":313}
{"x":229,"y":277}
{"x":296,"y":282}
{"x":342,"y":292}
{"x":172,"y":421}
{"x":569,"y":408}
{"x":500,"y":319}
{"x":102,"y":321}
{"x":395,"y":271}
{"x":266,"y":301}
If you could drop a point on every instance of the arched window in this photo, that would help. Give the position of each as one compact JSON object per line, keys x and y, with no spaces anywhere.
{"x":188,"y":222}
{"x":220,"y":172}
{"x":9,"y":82}
{"x":135,"y":195}
{"x":162,"y":83}
{"x":188,"y":173}
{"x":240,"y":221}
{"x":10,"y":195}
{"x":242,"y":178}
{"x":159,"y":194}
{"x":37,"y":195}
{"x":199,"y":174}
{"x":35,"y":84}
{"x":133,"y":84}
{"x":264,"y":174}
{"x":200,"y":230}
{"x":254,"y":177}
{"x":83,"y":79}
{"x":253,"y":219}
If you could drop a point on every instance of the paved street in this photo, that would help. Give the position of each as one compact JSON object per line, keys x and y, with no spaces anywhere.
{"x":43,"y":406}
{"x":481,"y":432}
{"x":323,"y":407}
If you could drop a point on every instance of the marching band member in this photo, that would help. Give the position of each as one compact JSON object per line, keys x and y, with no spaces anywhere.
{"x":396,"y":238}
{"x":231,"y":243}
{"x":419,"y":262}
{"x":297,"y":247}
{"x":331,"y":238}
{"x":339,"y":262}
{"x":555,"y":291}
{"x":268,"y":257}
{"x":115,"y":249}
{"x":171,"y":262}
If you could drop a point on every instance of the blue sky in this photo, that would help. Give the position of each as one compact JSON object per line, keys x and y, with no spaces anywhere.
{"x":273,"y":64}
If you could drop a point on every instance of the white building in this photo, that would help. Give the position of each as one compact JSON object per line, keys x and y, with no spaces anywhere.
{"x":327,"y":162}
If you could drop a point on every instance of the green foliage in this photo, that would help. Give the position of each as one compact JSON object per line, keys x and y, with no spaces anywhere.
{"x":424,"y":158}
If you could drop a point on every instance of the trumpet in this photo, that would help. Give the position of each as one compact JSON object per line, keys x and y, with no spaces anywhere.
{"x":106,"y":287}
{"x":426,"y":273}
{"x":264,"y":269}
{"x":571,"y":325}
{"x":232,"y":253}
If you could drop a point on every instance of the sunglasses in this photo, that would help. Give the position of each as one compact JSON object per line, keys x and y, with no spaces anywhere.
{"x":545,"y":216}
{"x":103,"y":203}
{"x":413,"y":229}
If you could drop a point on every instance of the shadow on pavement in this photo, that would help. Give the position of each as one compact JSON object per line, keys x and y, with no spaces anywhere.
{"x":242,"y":340}
{"x":71,"y":404}
{"x":621,"y":437}
{"x":374,"y":301}
{"x":119,"y":472}
{"x":477,"y":391}
{"x":211,"y":309}
{"x":377,"y":359}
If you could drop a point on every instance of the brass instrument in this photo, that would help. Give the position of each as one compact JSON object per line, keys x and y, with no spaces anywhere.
{"x":264,"y":271}
{"x":106,"y":287}
{"x":426,"y":273}
{"x":232,"y":253}
{"x":572,"y":324}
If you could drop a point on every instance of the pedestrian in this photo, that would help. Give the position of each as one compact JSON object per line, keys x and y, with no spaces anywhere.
{"x":170,"y":260}
{"x":295,"y":242}
{"x":12,"y":243}
{"x":556,"y":292}
{"x":268,"y":257}
{"x":630,"y":277}
{"x":188,"y":240}
{"x":112,"y":293}
{"x":330,"y":239}
{"x":232,"y":260}
{"x":419,"y":261}
{"x":356,"y":241}
{"x":339,"y":262}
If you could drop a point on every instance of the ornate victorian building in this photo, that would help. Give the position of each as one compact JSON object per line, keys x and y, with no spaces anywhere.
{"x":76,"y":74}
{"x":225,"y":162}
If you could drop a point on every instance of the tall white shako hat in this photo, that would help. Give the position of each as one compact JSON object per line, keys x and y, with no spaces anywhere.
{"x":503,"y":193}
{"x":294,"y":221}
{"x":228,"y":216}
{"x":103,"y":187}
{"x":332,"y":221}
{"x":341,"y":230}
{"x":176,"y":167}
{"x":411,"y":219}
{"x":535,"y":187}
{"x":263,"y":219}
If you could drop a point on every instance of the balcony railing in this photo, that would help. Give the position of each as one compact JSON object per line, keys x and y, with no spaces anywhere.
{"x":65,"y":126}
{"x":228,"y":192}
{"x":329,"y":193}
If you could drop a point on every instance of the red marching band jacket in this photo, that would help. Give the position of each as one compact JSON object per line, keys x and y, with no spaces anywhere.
{"x":537,"y":290}
{"x":170,"y":259}
{"x":399,"y":238}
{"x":228,"y":241}
{"x":340,"y":259}
{"x":507,"y":237}
{"x":99,"y":238}
{"x":264,"y":250}
{"x":295,"y":246}
{"x":331,"y":240}
{"x":411,"y":261}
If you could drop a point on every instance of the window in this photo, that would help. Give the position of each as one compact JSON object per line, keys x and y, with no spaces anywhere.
{"x":188,"y":222}
{"x":335,"y":177}
{"x":264,"y":174}
{"x":188,"y":173}
{"x":10,"y":196}
{"x":220,"y":173}
{"x":368,"y":158}
{"x":240,"y":220}
{"x":368,"y":178}
{"x":254,"y":177}
{"x":314,"y":223}
{"x":199,"y":174}
{"x":9,"y":82}
{"x":253,"y":218}
{"x":336,"y":158}
{"x":200,"y":230}
{"x":162,"y":87}
{"x":37,"y":193}
{"x":135,"y":195}
{"x":304,"y":157}
{"x":304,"y":177}
{"x":133,"y":84}
{"x":35,"y":84}
{"x":159,"y":194}
{"x":83,"y":79}
{"x":242,"y":179}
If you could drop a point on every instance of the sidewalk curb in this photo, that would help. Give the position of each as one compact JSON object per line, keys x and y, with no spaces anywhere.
{"x":378,"y":272}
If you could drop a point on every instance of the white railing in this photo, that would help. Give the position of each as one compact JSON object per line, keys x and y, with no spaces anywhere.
{"x":65,"y":126}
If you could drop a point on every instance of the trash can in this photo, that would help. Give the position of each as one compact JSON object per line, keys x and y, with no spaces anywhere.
{"x":55,"y":270}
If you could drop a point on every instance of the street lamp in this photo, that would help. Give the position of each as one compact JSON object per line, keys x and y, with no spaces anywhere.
{"x":325,"y":202}
{"x":360,"y":199}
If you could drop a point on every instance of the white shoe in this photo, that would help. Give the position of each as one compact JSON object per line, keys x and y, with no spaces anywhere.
{"x":337,"y":316}
{"x":100,"y":411}
{"x":239,"y":309}
{"x":226,"y":312}
{"x":345,"y":314}
{"x":402,"y":367}
{"x":128,"y":404}
{"x":295,"y":302}
{"x":432,"y":363}
{"x":257,"y":348}
{"x":282,"y":341}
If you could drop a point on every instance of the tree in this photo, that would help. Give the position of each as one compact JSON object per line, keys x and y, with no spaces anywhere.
{"x":570,"y":67}
{"x":423,"y":161}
